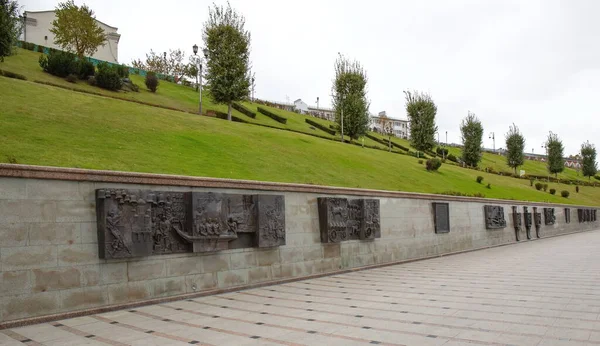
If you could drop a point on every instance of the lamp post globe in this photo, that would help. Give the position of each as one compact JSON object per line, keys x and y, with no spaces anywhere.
{"x":195,"y":48}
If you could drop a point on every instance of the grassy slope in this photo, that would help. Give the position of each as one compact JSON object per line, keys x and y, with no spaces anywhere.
{"x":50,"y":126}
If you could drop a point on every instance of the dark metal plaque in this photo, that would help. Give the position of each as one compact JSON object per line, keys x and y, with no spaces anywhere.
{"x":549,"y":217}
{"x":441,"y":217}
{"x":371,"y":227}
{"x":333,"y":217}
{"x":517,"y":221}
{"x":271,"y":221}
{"x":537,"y":220}
{"x":494,"y":217}
{"x":528,"y":222}
{"x":342,"y":219}
{"x":567,"y":215}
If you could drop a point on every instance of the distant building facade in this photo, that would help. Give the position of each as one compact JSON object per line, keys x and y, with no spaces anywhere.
{"x":400,"y":127}
{"x":37,"y":30}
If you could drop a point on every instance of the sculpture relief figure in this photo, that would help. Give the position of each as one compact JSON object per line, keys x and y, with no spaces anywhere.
{"x":118,"y":244}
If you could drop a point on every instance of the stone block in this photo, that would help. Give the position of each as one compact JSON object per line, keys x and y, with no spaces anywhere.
{"x":54,"y":234}
{"x":282,"y":271}
{"x":138,"y":290}
{"x":259,"y":274}
{"x":14,"y":282}
{"x":215,"y":263}
{"x":81,"y":298}
{"x":90,"y":275}
{"x":200,"y":282}
{"x":267,"y":257}
{"x":75,"y":211}
{"x":330,"y":251}
{"x":313,"y":253}
{"x":146,"y":270}
{"x":291,"y":255}
{"x":184,"y":266}
{"x":168,"y":287}
{"x":28,"y":257}
{"x":13,"y":234}
{"x":13,"y":188}
{"x":55,"y":279}
{"x":243,"y":260}
{"x":118,"y":293}
{"x":89,"y":233}
{"x":79,"y":254}
{"x":16,"y":211}
{"x":56,"y":190}
{"x":111,"y":273}
{"x":232,"y":278}
{"x":30,"y":305}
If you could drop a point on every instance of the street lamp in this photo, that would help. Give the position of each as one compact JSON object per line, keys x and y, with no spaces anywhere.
{"x":195,"y":48}
{"x":342,"y":106}
{"x":545,"y":146}
{"x":493,"y":136}
{"x":24,"y":26}
{"x":252,"y":88}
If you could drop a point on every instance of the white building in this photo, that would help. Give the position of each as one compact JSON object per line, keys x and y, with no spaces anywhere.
{"x":319,"y":112}
{"x":301,"y":106}
{"x":37,"y":31}
{"x":400,"y":127}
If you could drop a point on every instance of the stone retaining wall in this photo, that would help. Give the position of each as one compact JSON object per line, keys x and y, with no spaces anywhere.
{"x":49,"y":260}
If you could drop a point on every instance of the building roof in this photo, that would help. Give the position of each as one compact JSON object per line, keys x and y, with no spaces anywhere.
{"x":99,"y":21}
{"x":392,"y":119}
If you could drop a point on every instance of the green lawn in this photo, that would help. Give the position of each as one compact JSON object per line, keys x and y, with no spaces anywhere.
{"x":44,"y":125}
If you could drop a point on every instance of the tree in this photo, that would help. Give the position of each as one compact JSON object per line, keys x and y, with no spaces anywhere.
{"x":191,"y":69}
{"x":387,"y":125}
{"x":10,"y":27}
{"x":156,"y":63}
{"x":228,"y":46}
{"x":472,"y":133}
{"x":588,"y":161}
{"x":174,"y":64}
{"x":421,"y":111}
{"x":515,"y":148}
{"x":556,"y":163}
{"x":349,"y":92}
{"x":76,"y":30}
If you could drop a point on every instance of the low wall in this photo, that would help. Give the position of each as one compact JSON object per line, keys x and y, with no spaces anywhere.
{"x":49,"y":245}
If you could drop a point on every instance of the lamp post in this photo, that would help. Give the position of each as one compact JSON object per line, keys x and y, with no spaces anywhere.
{"x":253,"y":89}
{"x":24,"y":26}
{"x":195,"y":48}
{"x":342,"y":107}
{"x":493,"y":137}
{"x":545,"y":146}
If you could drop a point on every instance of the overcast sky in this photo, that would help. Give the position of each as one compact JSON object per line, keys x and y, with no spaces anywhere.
{"x":534,"y":62}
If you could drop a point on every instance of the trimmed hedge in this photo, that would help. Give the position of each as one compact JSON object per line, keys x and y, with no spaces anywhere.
{"x":238,"y":107}
{"x":12,"y":75}
{"x":223,"y":115}
{"x":272,"y":115}
{"x":320,"y":127}
{"x":383,"y":142}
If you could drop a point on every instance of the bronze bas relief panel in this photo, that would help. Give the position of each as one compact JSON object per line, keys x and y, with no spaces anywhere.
{"x":494,"y":217}
{"x":343,"y":219}
{"x":134,"y":223}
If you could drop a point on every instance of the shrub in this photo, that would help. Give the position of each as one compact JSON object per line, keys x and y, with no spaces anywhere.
{"x":489,"y":186}
{"x":539,"y":186}
{"x":85,"y":69}
{"x":479,"y":179}
{"x":545,"y":187}
{"x":272,"y":115}
{"x":122,"y":70}
{"x":58,"y":63}
{"x":552,"y":191}
{"x":577,"y":188}
{"x":433,"y":164}
{"x":12,"y":75}
{"x":151,"y":81}
{"x":452,"y":158}
{"x":420,"y":162}
{"x":597,"y":177}
{"x":108,"y":78}
{"x":565,"y":193}
{"x":441,"y":151}
{"x":238,"y":107}
{"x":92,"y":80}
{"x":71,"y":78}
{"x":320,"y":127}
{"x":223,"y":115}
{"x":531,"y":180}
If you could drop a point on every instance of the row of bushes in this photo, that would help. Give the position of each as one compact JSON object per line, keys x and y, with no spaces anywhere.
{"x":320,"y":127}
{"x":238,"y":107}
{"x":272,"y":115}
{"x":381,"y":141}
{"x":462,"y":194}
{"x":12,"y":75}
{"x":33,"y":47}
{"x":223,"y":115}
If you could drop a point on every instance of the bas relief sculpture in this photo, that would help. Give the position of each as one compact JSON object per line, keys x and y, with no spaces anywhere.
{"x":494,"y":217}
{"x":344,"y":219}
{"x":134,"y":223}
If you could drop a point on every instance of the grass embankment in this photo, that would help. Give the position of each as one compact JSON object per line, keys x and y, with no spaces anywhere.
{"x":44,"y":125}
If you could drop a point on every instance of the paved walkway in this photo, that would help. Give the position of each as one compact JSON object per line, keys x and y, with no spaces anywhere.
{"x":538,"y":293}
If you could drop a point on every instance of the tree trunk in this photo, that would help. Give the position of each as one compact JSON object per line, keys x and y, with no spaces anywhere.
{"x":390,"y":144}
{"x":229,"y":112}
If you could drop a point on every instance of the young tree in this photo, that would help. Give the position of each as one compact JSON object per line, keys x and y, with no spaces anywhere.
{"x":75,"y":29}
{"x":387,"y":125}
{"x":228,"y":46}
{"x":556,"y":162}
{"x":588,"y":161}
{"x":472,"y":133}
{"x":350,"y":97}
{"x":515,"y":147}
{"x":10,"y":27}
{"x":175,"y":66}
{"x":191,"y":69}
{"x":421,"y":111}
{"x":156,"y":63}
